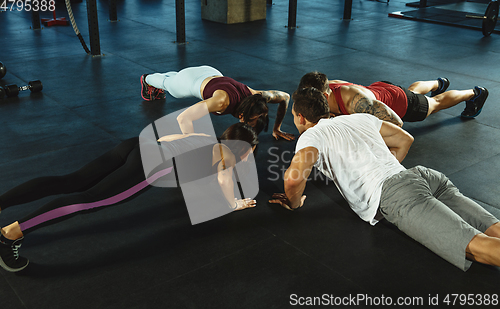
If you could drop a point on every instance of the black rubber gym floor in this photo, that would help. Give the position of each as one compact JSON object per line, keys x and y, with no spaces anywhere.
{"x":145,"y":253}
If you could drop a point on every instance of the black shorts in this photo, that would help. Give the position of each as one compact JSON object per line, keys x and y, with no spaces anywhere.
{"x":418,"y":106}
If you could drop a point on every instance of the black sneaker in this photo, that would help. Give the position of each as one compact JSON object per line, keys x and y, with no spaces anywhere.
{"x":9,"y":255}
{"x":474,"y":106}
{"x":444,"y":83}
{"x":159,"y":94}
{"x":150,"y":93}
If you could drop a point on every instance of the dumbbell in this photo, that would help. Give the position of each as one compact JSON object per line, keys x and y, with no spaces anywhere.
{"x":33,"y":86}
{"x":3,"y":70}
{"x":489,"y":18}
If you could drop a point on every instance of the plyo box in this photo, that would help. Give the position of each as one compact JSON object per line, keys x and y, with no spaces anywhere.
{"x":233,"y":11}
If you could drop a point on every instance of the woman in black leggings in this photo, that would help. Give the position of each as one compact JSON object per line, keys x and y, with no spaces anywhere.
{"x":117,"y":176}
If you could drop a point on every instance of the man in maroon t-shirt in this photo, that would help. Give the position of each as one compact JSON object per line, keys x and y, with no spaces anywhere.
{"x":394,"y":103}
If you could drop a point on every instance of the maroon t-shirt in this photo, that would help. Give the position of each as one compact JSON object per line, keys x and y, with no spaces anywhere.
{"x":236,"y":91}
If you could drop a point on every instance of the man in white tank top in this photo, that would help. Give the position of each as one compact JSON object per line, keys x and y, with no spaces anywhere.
{"x":362,"y":155}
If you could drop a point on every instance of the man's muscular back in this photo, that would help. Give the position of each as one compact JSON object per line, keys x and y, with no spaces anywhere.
{"x":358,"y":99}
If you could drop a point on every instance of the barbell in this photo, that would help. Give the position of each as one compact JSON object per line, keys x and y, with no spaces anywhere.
{"x":489,"y":18}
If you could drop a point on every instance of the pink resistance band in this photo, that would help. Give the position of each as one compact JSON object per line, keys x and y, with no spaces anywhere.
{"x":66,"y":210}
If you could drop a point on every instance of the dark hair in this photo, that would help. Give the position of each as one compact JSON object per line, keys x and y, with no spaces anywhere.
{"x":261,"y":124}
{"x":314,"y":79}
{"x":243,"y":132}
{"x":251,"y":106}
{"x":311,"y":103}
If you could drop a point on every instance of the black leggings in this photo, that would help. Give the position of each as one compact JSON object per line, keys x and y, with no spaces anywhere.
{"x":112,"y":178}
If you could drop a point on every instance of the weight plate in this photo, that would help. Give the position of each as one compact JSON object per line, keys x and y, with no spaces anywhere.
{"x":2,"y":93}
{"x":3,"y":70}
{"x":490,"y":18}
{"x":11,"y":90}
{"x":36,"y":86}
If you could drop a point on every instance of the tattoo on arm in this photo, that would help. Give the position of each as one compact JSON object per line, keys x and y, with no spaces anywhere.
{"x":275,"y":96}
{"x":362,"y":104}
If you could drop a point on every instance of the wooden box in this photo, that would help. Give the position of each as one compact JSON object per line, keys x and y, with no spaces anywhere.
{"x":233,"y":11}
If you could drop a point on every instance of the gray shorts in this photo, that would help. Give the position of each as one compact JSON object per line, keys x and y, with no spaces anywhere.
{"x":425,"y":205}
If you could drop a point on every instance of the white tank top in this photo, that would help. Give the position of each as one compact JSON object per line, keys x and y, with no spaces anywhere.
{"x":354,"y":156}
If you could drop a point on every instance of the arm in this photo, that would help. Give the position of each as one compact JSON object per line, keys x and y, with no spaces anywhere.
{"x":217,"y":103}
{"x":296,"y":178}
{"x":225,"y":179}
{"x":275,"y":96}
{"x":397,"y":139}
{"x":360,"y":102}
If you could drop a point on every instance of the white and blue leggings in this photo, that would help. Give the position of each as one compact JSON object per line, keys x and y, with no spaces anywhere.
{"x":183,"y":84}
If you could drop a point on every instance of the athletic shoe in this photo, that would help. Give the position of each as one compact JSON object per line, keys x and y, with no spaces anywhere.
{"x":444,"y":83}
{"x":146,"y":90}
{"x":160,"y":94}
{"x":150,"y":93}
{"x":9,"y":255}
{"x":474,"y":106}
